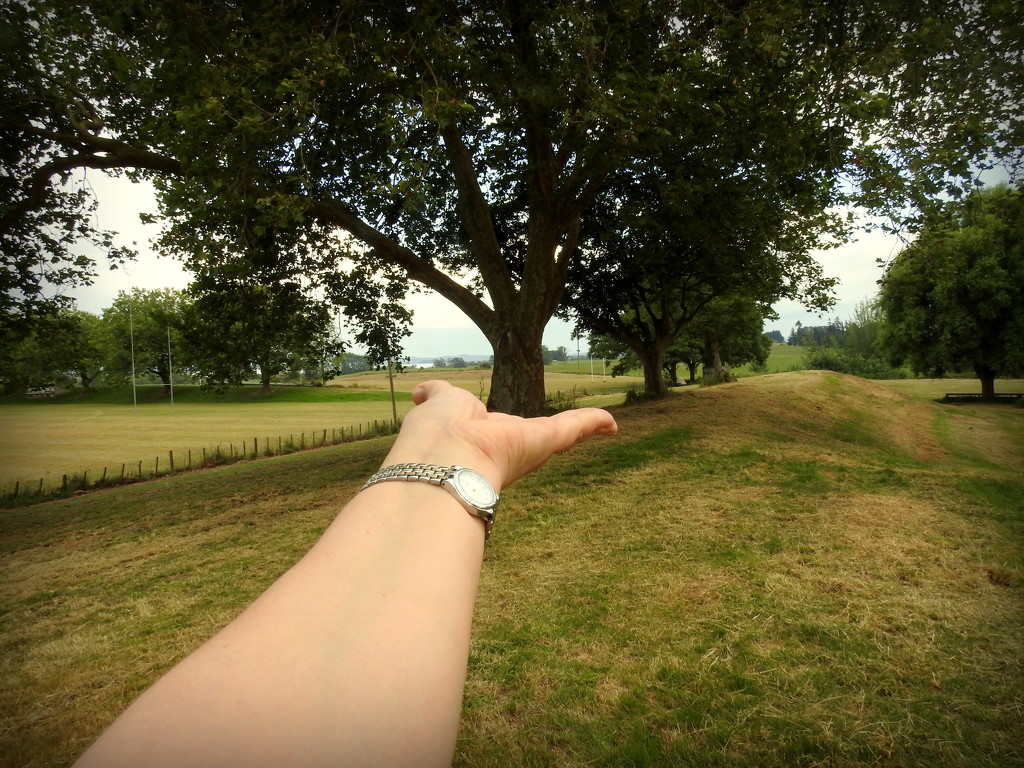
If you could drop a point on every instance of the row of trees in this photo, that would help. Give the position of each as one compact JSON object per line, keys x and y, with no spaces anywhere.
{"x":157,"y":334}
{"x":725,"y":332}
{"x":450,"y":362}
{"x":950,"y":303}
{"x":622,"y":163}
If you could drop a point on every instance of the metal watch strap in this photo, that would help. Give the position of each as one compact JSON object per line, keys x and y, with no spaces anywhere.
{"x":434,"y":474}
{"x":425,"y":473}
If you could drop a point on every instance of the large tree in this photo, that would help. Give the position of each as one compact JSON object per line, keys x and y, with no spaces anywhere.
{"x":954,"y":299}
{"x":727,"y":330}
{"x":460,"y":142}
{"x":139,"y":334}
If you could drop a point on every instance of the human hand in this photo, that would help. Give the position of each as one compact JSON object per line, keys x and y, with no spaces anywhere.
{"x":450,"y":426}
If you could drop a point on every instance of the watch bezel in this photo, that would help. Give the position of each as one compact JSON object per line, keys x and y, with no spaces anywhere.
{"x":456,"y":482}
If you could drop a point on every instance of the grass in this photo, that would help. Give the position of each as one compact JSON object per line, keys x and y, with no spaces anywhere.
{"x":78,"y":434}
{"x":793,"y":570}
{"x":935,"y":389}
{"x":46,"y":441}
{"x":782,"y":359}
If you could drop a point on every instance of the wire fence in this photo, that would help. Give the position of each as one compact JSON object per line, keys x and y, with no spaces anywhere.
{"x":22,"y":492}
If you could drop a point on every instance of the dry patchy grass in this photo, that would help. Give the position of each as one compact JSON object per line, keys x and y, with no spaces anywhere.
{"x":47,"y":441}
{"x":804,"y":569}
{"x":791,"y":579}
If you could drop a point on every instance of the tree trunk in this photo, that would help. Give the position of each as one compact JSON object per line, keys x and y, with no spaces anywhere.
{"x":86,"y":380}
{"x":164,"y":372}
{"x":691,"y":366}
{"x":713,"y":360}
{"x":672,"y":371}
{"x":517,"y":380}
{"x":265,"y":378}
{"x":652,"y":359}
{"x":988,"y":381}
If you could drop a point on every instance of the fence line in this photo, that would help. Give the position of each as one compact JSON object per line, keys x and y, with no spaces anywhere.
{"x":77,"y":483}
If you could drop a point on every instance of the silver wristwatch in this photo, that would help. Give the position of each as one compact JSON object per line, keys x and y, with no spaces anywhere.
{"x":467,"y":485}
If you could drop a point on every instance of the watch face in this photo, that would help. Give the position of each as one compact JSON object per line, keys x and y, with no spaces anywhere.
{"x":475,"y":488}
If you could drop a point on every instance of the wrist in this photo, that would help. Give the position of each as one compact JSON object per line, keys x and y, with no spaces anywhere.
{"x":447,"y":455}
{"x":473,"y":491}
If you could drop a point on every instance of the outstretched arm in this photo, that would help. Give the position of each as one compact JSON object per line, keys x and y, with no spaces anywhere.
{"x":357,"y":655}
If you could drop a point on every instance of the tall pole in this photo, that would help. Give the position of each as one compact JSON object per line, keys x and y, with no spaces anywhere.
{"x":170,"y":365}
{"x":391,"y":375}
{"x":391,"y":382}
{"x":131,"y":335}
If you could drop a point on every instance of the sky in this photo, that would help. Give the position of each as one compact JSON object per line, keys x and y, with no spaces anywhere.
{"x":439,"y":329}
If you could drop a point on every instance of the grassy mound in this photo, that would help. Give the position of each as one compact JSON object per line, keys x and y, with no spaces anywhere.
{"x":802,"y":569}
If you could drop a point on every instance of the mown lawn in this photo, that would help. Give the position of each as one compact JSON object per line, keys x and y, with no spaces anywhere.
{"x":793,"y":570}
{"x":78,"y":434}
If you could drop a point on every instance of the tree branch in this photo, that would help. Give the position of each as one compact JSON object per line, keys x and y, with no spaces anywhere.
{"x":476,"y":217}
{"x":119,"y":154}
{"x":418,"y":269}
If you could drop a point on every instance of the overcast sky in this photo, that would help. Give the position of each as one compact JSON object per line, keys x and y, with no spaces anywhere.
{"x":439,"y":329}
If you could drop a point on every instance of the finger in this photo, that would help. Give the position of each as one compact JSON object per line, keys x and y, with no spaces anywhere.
{"x":562,"y":431}
{"x":583,"y":423}
{"x":427,"y":389}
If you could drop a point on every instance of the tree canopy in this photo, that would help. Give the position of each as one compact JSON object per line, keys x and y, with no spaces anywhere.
{"x":61,"y":348}
{"x":458,"y":145}
{"x":140,"y":333}
{"x":954,"y":299}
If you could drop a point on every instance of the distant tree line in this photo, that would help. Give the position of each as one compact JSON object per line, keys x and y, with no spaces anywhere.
{"x":852,"y":346}
{"x":726,"y":332}
{"x":950,"y":303}
{"x":450,"y":362}
{"x":166,"y":336}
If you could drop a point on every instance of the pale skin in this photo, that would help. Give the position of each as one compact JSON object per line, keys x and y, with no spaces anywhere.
{"x":357,"y":655}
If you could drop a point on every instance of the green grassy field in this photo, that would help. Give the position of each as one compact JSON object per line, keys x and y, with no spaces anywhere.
{"x":782,"y":359}
{"x":77,"y":434}
{"x":44,"y":440}
{"x":797,"y":570}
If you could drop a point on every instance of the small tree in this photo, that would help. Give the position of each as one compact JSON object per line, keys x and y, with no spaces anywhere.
{"x":60,"y":348}
{"x":954,"y":299}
